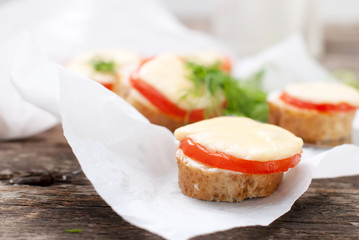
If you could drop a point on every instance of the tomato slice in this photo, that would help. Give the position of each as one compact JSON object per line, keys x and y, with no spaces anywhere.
{"x":226,"y":64}
{"x":324,"y":107}
{"x":160,"y":101}
{"x":108,"y":86}
{"x":228,"y":162}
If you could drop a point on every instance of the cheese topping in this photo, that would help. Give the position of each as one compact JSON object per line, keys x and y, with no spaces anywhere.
{"x":83,"y":63}
{"x":324,"y":92}
{"x":167,"y":73}
{"x":242,"y":138}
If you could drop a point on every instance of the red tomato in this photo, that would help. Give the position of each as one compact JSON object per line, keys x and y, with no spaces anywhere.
{"x":323,"y":107}
{"x":226,"y":65}
{"x":228,"y":162}
{"x":108,"y":86}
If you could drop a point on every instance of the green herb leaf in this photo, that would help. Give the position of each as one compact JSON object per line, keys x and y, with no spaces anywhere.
{"x":243,"y":98}
{"x":75,"y":230}
{"x":104,"y":66}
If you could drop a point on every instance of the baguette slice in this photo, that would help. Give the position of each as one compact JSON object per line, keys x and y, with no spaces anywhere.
{"x":151,"y":112}
{"x":314,"y":127}
{"x":203,"y":182}
{"x":167,"y":74}
{"x":234,"y":158}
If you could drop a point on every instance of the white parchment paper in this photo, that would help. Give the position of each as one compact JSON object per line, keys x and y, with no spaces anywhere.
{"x":284,"y":63}
{"x":18,"y":118}
{"x":131,"y":162}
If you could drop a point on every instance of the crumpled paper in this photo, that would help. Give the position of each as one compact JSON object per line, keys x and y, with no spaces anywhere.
{"x":69,"y":27}
{"x":280,"y":68}
{"x":131,"y":162}
{"x":18,"y":118}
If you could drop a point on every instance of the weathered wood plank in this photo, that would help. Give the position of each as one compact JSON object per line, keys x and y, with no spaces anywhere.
{"x":320,"y":213}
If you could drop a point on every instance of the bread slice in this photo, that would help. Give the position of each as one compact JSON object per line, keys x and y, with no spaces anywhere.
{"x":314,"y":127}
{"x":212,"y":184}
{"x":151,"y":112}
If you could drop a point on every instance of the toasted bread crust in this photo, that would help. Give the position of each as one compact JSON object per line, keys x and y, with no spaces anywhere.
{"x":312,"y":126}
{"x":151,"y":112}
{"x":228,"y":186}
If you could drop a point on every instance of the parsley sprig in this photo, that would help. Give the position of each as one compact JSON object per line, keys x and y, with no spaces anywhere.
{"x":243,"y":98}
{"x":104,"y":66}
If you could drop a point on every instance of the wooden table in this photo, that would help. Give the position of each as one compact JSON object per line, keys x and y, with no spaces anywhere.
{"x":328,"y":210}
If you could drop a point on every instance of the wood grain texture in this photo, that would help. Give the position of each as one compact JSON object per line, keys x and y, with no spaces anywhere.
{"x":328,"y":210}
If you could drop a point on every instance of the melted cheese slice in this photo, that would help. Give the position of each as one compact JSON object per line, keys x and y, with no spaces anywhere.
{"x":82,"y":63}
{"x":324,"y":92}
{"x":243,"y":138}
{"x":167,"y":73}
